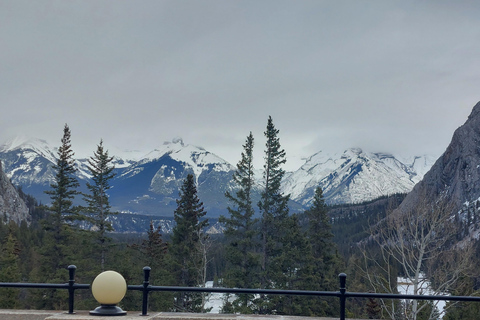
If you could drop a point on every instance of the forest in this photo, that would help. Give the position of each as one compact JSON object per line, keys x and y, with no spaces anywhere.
{"x":279,"y":250}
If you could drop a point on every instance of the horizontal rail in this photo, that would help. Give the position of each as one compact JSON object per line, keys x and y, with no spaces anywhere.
{"x":42,"y":285}
{"x":399,"y":296}
{"x":236,"y":291}
{"x":146,"y":288}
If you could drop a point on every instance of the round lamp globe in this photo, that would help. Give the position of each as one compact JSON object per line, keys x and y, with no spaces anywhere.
{"x":109,"y":288}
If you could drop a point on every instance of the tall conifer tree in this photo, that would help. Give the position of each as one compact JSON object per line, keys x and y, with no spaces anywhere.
{"x":273,"y":204}
{"x":64,"y":188}
{"x":99,"y":208}
{"x":153,"y":252}
{"x":323,"y":260}
{"x":62,"y":212}
{"x":319,"y":228}
{"x":57,"y":251}
{"x":188,"y":242}
{"x":240,"y":232}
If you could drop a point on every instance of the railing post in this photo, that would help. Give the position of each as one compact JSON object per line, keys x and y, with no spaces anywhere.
{"x":146,"y":283}
{"x":71,"y":289}
{"x":343,"y":298}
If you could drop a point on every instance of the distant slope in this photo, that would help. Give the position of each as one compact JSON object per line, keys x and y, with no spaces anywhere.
{"x":355,"y":176}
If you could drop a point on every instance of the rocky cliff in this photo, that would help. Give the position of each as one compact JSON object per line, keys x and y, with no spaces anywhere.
{"x":456,"y":174}
{"x":12,"y":207}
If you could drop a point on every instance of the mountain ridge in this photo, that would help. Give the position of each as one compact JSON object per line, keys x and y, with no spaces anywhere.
{"x":150,"y":185}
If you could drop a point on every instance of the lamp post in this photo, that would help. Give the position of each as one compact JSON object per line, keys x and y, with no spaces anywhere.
{"x":109,"y":288}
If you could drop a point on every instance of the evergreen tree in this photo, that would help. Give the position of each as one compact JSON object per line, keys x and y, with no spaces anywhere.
{"x":188,"y":246}
{"x":57,"y":251}
{"x":321,"y":270}
{"x":321,"y":241}
{"x":273,"y":204}
{"x":62,"y":211}
{"x":373,"y":309}
{"x":99,"y":208}
{"x":9,"y":269}
{"x":64,"y":188}
{"x":240,"y":232}
{"x":153,"y":252}
{"x":290,"y":269}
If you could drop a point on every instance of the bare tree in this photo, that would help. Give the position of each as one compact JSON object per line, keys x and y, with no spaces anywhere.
{"x":419,"y":244}
{"x":204,"y":246}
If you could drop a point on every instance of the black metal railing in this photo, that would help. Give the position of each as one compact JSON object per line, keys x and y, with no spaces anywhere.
{"x":146,"y":288}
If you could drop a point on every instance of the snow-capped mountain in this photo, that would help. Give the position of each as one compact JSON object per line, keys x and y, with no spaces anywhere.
{"x":150,"y":184}
{"x":355,"y":176}
{"x":28,"y":163}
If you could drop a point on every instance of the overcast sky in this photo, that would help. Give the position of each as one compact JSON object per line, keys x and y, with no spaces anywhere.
{"x":390,"y":76}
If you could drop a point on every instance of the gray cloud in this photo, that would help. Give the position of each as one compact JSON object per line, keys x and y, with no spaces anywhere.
{"x":397,"y":76}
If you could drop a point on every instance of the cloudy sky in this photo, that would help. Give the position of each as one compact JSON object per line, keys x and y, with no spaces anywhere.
{"x":390,"y":76}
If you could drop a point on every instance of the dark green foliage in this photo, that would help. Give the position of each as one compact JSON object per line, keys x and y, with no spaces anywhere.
{"x":273,"y":204}
{"x":57,"y":251}
{"x":152,"y":251}
{"x":373,"y":308}
{"x":322,"y":262}
{"x":462,"y":310}
{"x":64,"y":188}
{"x":9,"y":268}
{"x":99,"y":209}
{"x":351,"y":222}
{"x":61,"y":212}
{"x":290,"y":269}
{"x":325,"y":259}
{"x":189,"y":246}
{"x":241,"y":233}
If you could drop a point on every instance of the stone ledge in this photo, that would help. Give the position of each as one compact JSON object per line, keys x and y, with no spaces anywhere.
{"x":85,"y":315}
{"x":136,"y":315}
{"x":8,"y":314}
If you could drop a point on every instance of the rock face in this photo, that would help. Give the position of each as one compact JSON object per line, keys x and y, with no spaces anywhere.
{"x":456,"y":174}
{"x":12,"y":207}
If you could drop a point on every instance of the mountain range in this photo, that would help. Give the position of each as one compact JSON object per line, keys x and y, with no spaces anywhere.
{"x":150,"y":185}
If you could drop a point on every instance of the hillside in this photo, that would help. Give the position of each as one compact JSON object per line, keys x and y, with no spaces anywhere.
{"x":12,"y":207}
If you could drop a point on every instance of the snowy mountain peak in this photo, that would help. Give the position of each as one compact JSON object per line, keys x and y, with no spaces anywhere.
{"x":24,"y":142}
{"x":353,"y":151}
{"x":354,"y":176}
{"x":37,"y":147}
{"x":176,"y":140}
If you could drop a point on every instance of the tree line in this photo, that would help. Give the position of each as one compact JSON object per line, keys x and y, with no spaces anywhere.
{"x":274,"y":249}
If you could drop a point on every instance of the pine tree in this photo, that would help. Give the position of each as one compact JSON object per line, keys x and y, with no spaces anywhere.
{"x":153,"y":252}
{"x":64,"y":188}
{"x":99,"y":208}
{"x":62,"y":212}
{"x":240,"y":232}
{"x":323,"y":262}
{"x":289,"y":269}
{"x":321,"y":240}
{"x":57,"y":251}
{"x":188,"y":249}
{"x":273,"y":204}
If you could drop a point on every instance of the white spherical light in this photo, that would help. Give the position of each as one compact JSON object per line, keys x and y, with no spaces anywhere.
{"x":109,"y":288}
